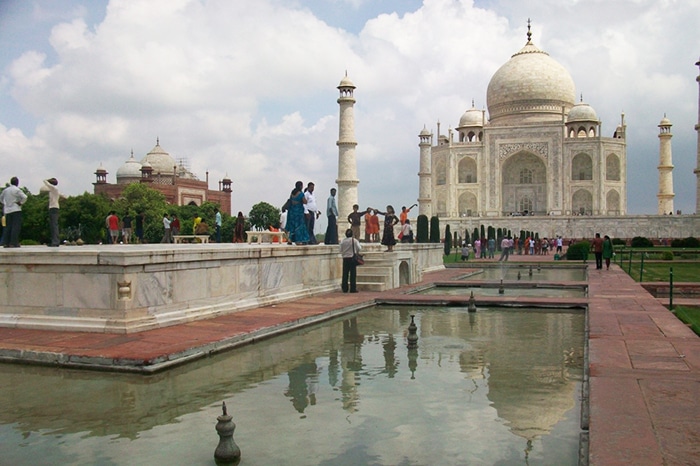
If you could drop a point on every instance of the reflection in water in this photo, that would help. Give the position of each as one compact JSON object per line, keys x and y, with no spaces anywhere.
{"x":529,"y":273}
{"x":494,"y":387}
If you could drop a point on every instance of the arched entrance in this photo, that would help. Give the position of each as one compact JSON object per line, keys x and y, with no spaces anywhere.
{"x":524,"y":184}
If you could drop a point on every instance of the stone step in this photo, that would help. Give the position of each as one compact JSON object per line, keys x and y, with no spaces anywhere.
{"x":371,"y":286}
{"x":371,"y":278}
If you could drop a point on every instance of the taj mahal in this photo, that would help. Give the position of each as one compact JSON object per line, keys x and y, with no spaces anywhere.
{"x":535,"y":160}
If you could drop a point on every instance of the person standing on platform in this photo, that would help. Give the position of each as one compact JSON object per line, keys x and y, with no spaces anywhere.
{"x":403,"y":216}
{"x":311,"y":211}
{"x":139,"y":226}
{"x":297,"y":231}
{"x":113,"y":226}
{"x":239,"y":229}
{"x":174,"y":227}
{"x":597,"y":248}
{"x":12,"y":199}
{"x":167,"y":237}
{"x":369,"y":238}
{"x":492,"y":247}
{"x":332,"y":215}
{"x":355,"y":219}
{"x":217,"y":222}
{"x":126,"y":228}
{"x":390,"y":220}
{"x":348,"y":248}
{"x":54,"y":197}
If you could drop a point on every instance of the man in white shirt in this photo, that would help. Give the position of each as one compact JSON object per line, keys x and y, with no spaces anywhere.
{"x":54,"y":197}
{"x":166,"y":230}
{"x":12,"y":199}
{"x":311,"y":211}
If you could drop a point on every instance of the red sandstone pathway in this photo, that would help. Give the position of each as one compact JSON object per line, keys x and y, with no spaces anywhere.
{"x":644,"y":364}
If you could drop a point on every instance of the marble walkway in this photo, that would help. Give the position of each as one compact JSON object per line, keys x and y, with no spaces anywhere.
{"x":643,"y":363}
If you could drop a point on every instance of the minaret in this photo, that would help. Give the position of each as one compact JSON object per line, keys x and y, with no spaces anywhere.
{"x":697,"y":169}
{"x":424,"y":178}
{"x":665,"y":167}
{"x":347,"y":164}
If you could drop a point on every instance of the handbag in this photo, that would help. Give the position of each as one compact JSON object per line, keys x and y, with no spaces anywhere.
{"x":356,"y":256}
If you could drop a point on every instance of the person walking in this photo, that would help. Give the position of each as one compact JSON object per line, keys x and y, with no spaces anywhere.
{"x":12,"y":199}
{"x":505,"y":249}
{"x":113,"y":227}
{"x":492,"y":247}
{"x":597,"y":248}
{"x":607,"y":251}
{"x":331,"y":236}
{"x":140,"y":216}
{"x":126,"y":228}
{"x":54,"y":197}
{"x":348,"y":248}
{"x":174,"y":227}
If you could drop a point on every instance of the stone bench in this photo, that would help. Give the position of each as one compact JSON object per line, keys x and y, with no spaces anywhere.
{"x":265,"y":235}
{"x":177,"y":239}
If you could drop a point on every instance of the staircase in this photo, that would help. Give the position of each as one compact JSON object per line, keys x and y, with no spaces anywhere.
{"x":377,"y":273}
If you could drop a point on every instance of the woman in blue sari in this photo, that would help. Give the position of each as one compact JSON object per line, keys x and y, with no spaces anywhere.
{"x":297,"y":231}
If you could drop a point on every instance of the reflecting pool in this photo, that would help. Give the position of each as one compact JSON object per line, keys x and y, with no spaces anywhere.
{"x":499,"y":386}
{"x":528,"y":273}
{"x":509,"y":292}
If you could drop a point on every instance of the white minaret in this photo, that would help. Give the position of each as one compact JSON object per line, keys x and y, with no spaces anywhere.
{"x":347,"y":164}
{"x":424,"y":172}
{"x":697,"y":169}
{"x":665,"y":167}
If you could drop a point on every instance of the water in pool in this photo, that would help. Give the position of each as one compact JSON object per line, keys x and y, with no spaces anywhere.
{"x":510,"y":272}
{"x":499,"y":386}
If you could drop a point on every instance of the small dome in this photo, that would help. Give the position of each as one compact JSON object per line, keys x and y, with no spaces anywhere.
{"x":582,"y":112}
{"x":160,"y":160}
{"x":346,"y":82}
{"x":100,"y":169}
{"x":665,"y":122}
{"x":472,"y":117}
{"x":130,"y":169}
{"x":424,"y":132}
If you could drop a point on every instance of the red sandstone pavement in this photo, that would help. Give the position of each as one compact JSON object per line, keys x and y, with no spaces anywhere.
{"x":643,"y":378}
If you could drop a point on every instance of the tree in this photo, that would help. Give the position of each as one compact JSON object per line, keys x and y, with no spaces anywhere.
{"x":422,"y":229}
{"x":84,"y":217}
{"x":434,"y":229}
{"x":448,"y":240}
{"x":262,"y":215}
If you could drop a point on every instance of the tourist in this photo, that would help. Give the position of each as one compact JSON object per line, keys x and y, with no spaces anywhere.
{"x":374,"y":231}
{"x":403,"y":216}
{"x":390,"y":220}
{"x":406,"y":232}
{"x":477,"y":248}
{"x":12,"y":199}
{"x":545,"y":246}
{"x":167,"y":238}
{"x":175,"y":227}
{"x":505,"y":249}
{"x":113,"y":226}
{"x":126,"y":228}
{"x":54,"y":197}
{"x":607,"y":251}
{"x":368,"y":225}
{"x":140,"y":216}
{"x":492,"y":247}
{"x":597,"y":248}
{"x":311,"y":211}
{"x":297,"y":231}
{"x":531,"y":243}
{"x":348,"y":248}
{"x":202,"y":228}
{"x":355,"y":219}
{"x":560,"y":244}
{"x":331,"y":236}
{"x":239,"y":229}
{"x":195,"y":224}
{"x":217,"y":222}
{"x":465,"y":251}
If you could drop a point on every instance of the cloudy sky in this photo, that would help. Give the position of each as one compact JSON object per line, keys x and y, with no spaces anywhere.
{"x":248,"y":89}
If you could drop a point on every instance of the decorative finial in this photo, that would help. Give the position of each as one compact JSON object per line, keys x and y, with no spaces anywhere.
{"x":582,"y":97}
{"x":529,"y":34}
{"x":132,"y":152}
{"x":472,"y":102}
{"x":157,"y":141}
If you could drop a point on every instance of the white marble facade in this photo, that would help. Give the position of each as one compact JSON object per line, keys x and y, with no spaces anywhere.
{"x":536,"y":151}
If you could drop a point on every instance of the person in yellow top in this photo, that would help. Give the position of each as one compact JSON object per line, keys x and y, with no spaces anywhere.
{"x":197,"y":221}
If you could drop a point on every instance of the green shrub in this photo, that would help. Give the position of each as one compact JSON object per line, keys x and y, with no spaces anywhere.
{"x":641,"y":242}
{"x":667,"y":256}
{"x":619,"y":242}
{"x":448,"y":240}
{"x":691,"y":242}
{"x":422,"y":229}
{"x":434,"y":229}
{"x":578,"y":251}
{"x":677,"y":243}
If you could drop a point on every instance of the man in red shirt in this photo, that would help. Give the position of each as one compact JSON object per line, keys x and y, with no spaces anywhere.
{"x":113,"y":225}
{"x":597,"y":247}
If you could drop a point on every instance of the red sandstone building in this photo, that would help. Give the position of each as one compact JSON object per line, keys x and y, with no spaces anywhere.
{"x":160,"y":171}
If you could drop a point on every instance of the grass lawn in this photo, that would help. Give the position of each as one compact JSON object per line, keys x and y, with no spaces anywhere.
{"x":659,"y":271}
{"x":689,"y":315}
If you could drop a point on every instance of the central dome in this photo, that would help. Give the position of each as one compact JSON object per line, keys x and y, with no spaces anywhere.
{"x":530,"y":88}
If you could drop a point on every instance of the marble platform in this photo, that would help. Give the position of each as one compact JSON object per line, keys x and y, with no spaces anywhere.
{"x":131,"y":288}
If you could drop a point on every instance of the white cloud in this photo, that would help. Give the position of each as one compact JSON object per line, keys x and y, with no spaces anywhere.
{"x":250,"y":91}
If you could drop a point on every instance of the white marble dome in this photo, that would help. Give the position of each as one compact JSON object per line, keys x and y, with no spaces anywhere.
{"x":130,"y":170}
{"x":472,"y":117}
{"x":161,"y":162}
{"x":531,"y":87}
{"x":582,"y":112}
